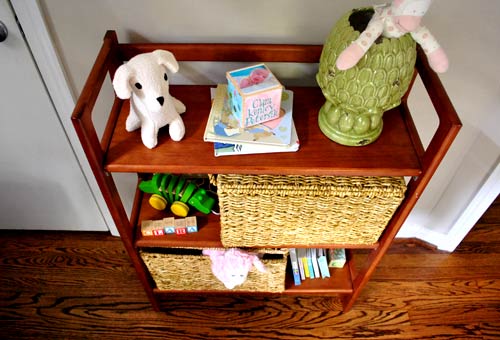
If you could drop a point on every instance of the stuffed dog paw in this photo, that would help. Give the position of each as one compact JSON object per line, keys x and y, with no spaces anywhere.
{"x":144,"y":80}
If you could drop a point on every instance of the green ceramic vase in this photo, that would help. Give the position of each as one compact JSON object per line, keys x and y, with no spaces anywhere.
{"x":357,"y":98}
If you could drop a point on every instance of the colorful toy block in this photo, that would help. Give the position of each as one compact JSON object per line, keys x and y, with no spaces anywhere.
{"x":191,"y":224}
{"x":152,"y":228}
{"x":180,"y":231}
{"x":169,"y":225}
{"x":180,"y":226}
{"x":254,"y":94}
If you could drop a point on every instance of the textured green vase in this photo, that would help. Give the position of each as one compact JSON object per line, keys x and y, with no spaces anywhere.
{"x":357,"y":98}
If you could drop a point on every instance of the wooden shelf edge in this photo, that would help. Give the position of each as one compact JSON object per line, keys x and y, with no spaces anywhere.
{"x":213,"y":292}
{"x":195,"y":241}
{"x":291,"y":291}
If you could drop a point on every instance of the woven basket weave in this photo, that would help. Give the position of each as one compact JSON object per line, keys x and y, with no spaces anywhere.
{"x":192,"y":271}
{"x":273,"y":211}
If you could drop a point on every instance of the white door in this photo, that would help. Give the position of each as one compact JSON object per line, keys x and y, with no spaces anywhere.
{"x":41,"y":183}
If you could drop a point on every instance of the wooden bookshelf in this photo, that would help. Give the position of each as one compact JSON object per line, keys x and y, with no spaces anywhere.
{"x":397,"y":152}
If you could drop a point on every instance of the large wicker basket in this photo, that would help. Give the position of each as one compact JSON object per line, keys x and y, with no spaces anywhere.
{"x":187,"y":269}
{"x":274,"y":211}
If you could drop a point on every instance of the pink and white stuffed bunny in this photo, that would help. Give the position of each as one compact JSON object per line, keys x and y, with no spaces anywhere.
{"x":231,"y":266}
{"x":392,"y":21}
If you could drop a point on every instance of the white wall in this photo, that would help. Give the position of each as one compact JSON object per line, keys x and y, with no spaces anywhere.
{"x":468,"y":33}
{"x":473,"y":84}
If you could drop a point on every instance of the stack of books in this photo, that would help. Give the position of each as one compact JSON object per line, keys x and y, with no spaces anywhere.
{"x":223,"y":129}
{"x":313,"y":263}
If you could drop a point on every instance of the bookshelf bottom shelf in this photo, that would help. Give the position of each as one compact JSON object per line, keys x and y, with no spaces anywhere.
{"x":339,"y":282}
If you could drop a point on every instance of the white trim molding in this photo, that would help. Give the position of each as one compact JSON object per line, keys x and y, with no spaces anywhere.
{"x":479,"y":204}
{"x":449,"y":241}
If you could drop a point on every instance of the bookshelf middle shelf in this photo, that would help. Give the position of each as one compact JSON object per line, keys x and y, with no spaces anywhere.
{"x":208,"y":235}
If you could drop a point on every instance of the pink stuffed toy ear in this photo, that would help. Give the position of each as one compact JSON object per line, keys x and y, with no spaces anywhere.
{"x":210,"y":252}
{"x":258,"y":264}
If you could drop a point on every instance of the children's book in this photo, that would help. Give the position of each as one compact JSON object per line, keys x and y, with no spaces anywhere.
{"x":337,"y":258}
{"x":226,"y":149}
{"x":302,"y":254}
{"x":314,"y":259}
{"x":309,"y":263}
{"x":295,"y":266}
{"x":223,"y":127}
{"x":323,"y":263}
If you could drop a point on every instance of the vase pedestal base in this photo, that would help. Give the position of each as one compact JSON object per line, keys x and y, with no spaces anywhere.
{"x":349,"y":128}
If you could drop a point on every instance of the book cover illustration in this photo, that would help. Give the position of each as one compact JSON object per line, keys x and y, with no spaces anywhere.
{"x":223,"y":127}
{"x":228,"y":149}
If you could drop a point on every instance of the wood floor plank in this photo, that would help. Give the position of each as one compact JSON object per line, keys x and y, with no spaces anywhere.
{"x":490,"y":330}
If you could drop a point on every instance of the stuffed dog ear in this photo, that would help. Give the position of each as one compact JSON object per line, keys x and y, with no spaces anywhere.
{"x":166,"y":59}
{"x":121,"y":82}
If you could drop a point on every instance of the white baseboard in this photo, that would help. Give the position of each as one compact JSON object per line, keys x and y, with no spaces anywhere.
{"x":476,"y":208}
{"x":464,"y":223}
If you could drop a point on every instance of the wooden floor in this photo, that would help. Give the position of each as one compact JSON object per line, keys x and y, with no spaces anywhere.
{"x":81,"y":286}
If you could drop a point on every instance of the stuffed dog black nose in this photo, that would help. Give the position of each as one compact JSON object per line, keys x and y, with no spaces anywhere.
{"x":160,"y":100}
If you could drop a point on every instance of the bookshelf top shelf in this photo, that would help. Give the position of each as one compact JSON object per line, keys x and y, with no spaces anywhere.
{"x":392,"y":154}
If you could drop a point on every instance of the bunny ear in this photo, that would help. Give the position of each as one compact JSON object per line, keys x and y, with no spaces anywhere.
{"x":121,"y":82}
{"x":258,"y":264}
{"x":210,"y":252}
{"x":166,"y":59}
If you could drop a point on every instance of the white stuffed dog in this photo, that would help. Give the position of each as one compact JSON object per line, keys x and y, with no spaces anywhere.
{"x":144,"y":79}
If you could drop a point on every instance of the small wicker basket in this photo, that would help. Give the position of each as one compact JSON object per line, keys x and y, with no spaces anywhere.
{"x":187,"y":269}
{"x":273,"y":211}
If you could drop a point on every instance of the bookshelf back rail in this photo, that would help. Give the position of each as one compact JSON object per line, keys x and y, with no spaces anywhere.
{"x":231,"y":52}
